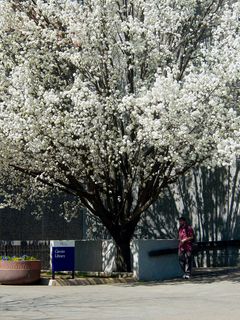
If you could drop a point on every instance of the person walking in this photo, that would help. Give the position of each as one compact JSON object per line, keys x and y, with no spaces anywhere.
{"x":185,"y":247}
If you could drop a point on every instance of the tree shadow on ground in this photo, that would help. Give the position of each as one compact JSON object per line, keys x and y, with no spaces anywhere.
{"x":200,"y":276}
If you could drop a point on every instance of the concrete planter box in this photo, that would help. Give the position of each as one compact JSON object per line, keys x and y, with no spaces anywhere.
{"x":159,"y":267}
{"x":19,"y":272}
{"x":95,"y":255}
{"x":99,"y":256}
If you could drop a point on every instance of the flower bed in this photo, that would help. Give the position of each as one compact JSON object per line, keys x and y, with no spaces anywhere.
{"x":19,"y":270}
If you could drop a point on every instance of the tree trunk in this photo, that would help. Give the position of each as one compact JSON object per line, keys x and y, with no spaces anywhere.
{"x":123,"y":255}
{"x":122,"y":236}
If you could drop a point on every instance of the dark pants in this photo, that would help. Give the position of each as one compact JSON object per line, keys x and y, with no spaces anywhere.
{"x":185,"y":261}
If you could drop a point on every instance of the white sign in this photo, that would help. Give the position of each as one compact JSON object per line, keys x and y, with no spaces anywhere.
{"x":62,"y":243}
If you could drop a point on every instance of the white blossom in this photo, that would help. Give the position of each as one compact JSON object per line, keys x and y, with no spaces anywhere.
{"x":109,"y":94}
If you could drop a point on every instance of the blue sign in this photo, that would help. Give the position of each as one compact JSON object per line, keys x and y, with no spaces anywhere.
{"x":63,"y":258}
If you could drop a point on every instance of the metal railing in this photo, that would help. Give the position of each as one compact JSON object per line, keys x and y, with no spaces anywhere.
{"x":209,"y":253}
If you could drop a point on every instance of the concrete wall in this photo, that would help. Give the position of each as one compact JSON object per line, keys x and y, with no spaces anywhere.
{"x":99,"y":256}
{"x":94,"y":255}
{"x":208,"y":198}
{"x":108,"y":256}
{"x":154,"y":268}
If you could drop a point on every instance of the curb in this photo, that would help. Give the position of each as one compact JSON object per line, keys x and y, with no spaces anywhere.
{"x":85,"y":282}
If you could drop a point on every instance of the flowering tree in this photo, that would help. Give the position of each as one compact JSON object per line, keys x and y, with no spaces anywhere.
{"x":113,"y":100}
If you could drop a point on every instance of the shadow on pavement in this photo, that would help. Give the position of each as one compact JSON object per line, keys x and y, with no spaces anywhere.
{"x":201,"y":275}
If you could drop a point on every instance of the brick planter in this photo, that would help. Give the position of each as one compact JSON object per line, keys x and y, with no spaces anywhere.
{"x":20,"y":272}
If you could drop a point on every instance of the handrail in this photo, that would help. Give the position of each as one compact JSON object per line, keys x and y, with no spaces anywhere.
{"x":199,"y":246}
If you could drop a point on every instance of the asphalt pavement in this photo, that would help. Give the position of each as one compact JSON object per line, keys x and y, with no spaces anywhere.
{"x":207,"y":296}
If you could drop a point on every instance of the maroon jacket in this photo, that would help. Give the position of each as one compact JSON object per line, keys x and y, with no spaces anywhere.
{"x":183,"y":233}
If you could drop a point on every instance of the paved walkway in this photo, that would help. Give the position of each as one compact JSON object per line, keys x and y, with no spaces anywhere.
{"x":211,"y":296}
